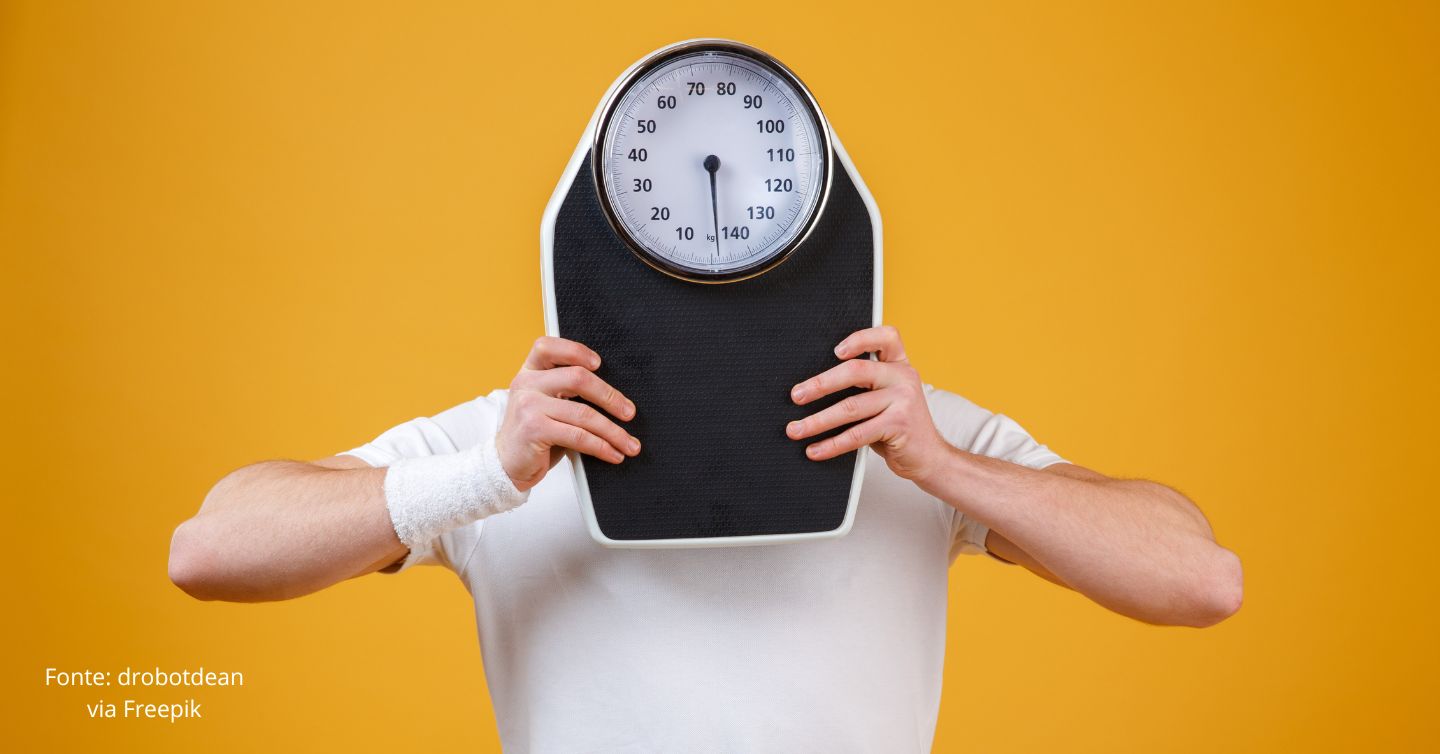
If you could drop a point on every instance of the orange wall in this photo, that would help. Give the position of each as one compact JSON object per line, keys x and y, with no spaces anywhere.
{"x":1195,"y":242}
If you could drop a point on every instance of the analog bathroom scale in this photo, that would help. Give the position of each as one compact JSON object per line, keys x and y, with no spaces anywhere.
{"x":711,"y":240}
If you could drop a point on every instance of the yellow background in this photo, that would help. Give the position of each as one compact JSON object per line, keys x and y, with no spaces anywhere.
{"x":1194,"y":242}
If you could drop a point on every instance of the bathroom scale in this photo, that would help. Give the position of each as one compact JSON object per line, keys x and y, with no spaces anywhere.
{"x":711,"y":240}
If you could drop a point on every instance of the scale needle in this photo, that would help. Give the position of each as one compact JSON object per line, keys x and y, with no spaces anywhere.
{"x":712,"y":164}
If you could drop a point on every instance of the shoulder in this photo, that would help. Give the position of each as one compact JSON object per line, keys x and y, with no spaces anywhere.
{"x":472,"y":422}
{"x":450,"y":431}
{"x":976,"y":430}
{"x":960,"y":422}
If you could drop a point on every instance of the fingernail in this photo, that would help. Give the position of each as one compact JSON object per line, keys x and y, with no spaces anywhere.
{"x":793,"y":428}
{"x":634,"y":445}
{"x":812,"y":451}
{"x":797,"y":392}
{"x":629,"y":408}
{"x":840,"y":351}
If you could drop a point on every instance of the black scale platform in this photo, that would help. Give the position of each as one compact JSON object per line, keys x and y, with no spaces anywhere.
{"x":710,"y":368}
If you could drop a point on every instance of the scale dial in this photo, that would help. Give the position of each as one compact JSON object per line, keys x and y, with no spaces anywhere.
{"x":714,"y":160}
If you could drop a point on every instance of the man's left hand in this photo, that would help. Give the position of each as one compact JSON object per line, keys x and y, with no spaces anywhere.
{"x":893,"y":416}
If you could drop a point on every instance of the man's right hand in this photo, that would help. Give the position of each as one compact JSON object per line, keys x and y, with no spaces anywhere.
{"x":539,"y":420}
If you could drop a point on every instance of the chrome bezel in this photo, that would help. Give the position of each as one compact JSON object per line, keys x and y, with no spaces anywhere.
{"x":695,"y":48}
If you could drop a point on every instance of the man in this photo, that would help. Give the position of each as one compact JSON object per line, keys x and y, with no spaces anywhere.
{"x":831,"y":646}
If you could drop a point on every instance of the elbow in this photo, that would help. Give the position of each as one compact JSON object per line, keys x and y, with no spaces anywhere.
{"x":204,"y":564}
{"x":191,"y":565}
{"x":1219,"y":593}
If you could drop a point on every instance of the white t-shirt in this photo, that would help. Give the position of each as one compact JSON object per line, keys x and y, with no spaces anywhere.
{"x":831,"y":646}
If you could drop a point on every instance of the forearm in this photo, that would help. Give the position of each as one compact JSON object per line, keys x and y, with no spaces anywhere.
{"x":1138,"y":548}
{"x":282,"y":529}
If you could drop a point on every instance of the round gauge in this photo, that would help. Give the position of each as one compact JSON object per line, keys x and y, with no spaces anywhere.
{"x":713,"y":161}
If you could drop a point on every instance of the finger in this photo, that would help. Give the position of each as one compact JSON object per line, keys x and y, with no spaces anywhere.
{"x":855,"y":437}
{"x":871,"y":375}
{"x":853,"y":409}
{"x":572,"y":382}
{"x":575,"y":438}
{"x":883,"y":341}
{"x":548,"y":353}
{"x":592,"y":421}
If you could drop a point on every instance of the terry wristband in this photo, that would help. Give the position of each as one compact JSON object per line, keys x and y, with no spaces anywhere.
{"x":431,"y":495}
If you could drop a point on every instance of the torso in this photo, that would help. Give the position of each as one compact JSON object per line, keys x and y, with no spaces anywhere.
{"x":832,"y":646}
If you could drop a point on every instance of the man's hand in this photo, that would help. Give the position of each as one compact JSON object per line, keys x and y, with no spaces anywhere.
{"x":539,"y":421}
{"x":899,"y":426}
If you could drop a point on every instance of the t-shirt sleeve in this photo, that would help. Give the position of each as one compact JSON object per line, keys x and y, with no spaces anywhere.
{"x":452,"y":431}
{"x":973,"y":429}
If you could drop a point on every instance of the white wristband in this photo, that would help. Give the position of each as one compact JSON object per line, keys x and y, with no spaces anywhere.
{"x":431,"y":495}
